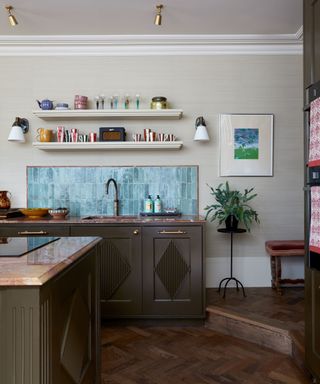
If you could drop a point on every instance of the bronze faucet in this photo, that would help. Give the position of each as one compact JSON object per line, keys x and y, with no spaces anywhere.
{"x":115,"y":201}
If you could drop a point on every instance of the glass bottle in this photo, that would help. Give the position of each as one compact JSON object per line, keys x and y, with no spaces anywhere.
{"x":158,"y":205}
{"x":148,"y":205}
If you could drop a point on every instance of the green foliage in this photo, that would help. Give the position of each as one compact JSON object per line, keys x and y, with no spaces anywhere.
{"x":229,"y":202}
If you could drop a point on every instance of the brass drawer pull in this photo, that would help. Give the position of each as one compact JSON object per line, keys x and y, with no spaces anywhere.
{"x":136,"y":232}
{"x":33,"y":233}
{"x":172,"y":232}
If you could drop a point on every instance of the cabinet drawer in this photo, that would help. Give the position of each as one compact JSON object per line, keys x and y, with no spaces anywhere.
{"x":33,"y":230}
{"x":105,"y":232}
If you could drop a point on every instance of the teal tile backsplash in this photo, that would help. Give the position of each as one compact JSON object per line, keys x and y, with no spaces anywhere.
{"x":82,"y":189}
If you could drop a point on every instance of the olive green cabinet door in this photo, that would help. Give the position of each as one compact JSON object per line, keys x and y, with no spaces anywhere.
{"x":173,"y":272}
{"x":120,"y":269}
{"x":311,"y":41}
{"x":69,"y":326}
{"x":312,"y":291}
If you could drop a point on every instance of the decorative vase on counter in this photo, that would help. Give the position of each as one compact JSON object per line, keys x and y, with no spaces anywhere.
{"x":5,"y":202}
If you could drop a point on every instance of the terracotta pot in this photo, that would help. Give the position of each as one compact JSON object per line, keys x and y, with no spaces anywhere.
{"x":231,"y":222}
{"x":4,"y":200}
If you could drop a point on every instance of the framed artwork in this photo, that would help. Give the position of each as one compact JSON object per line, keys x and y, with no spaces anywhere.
{"x":246,"y":145}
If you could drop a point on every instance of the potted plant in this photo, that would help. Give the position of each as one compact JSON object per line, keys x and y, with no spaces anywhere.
{"x":232,"y":207}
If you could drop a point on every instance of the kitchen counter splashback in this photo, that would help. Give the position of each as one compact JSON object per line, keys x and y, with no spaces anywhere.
{"x":82,"y":189}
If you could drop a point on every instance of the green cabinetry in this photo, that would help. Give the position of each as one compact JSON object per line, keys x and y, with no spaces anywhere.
{"x":120,"y":268}
{"x":146,"y":270}
{"x":311,"y":43}
{"x":150,"y":271}
{"x":50,"y":333}
{"x":173,"y":271}
{"x":312,"y":329}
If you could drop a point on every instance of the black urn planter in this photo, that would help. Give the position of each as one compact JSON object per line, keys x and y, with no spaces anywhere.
{"x":231,"y":222}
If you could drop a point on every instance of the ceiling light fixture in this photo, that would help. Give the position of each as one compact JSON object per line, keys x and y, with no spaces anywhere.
{"x":201,"y":130}
{"x":12,"y":19}
{"x":19,"y":128}
{"x":158,"y":18}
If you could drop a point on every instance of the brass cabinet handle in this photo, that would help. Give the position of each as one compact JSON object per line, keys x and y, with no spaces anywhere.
{"x":33,"y":233}
{"x":164,"y":232}
{"x":136,"y":232}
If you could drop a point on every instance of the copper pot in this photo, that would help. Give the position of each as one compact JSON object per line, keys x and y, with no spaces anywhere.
{"x":5,"y":202}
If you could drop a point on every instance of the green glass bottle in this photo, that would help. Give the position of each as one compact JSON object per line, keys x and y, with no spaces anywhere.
{"x":158,"y":205}
{"x":148,"y":205}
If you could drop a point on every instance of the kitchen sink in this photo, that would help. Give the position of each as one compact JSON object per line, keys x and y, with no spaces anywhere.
{"x":109,"y":218}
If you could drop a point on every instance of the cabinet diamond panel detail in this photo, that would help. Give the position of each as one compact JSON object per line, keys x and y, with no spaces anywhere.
{"x":172,"y":269}
{"x":114,"y":269}
{"x":75,"y":355}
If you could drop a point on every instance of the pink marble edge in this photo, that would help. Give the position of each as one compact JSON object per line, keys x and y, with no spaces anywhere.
{"x":106,"y":220}
{"x":50,"y":270}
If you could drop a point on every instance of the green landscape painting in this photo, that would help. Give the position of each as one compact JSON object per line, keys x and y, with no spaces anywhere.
{"x":246,"y":144}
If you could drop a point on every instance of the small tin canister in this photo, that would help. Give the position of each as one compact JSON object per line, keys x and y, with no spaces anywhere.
{"x":159,"y":102}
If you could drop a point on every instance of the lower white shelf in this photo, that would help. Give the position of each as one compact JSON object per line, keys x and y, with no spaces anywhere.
{"x":114,"y":145}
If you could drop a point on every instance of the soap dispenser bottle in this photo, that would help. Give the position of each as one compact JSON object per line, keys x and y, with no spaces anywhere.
{"x":148,"y":205}
{"x":157,"y":205}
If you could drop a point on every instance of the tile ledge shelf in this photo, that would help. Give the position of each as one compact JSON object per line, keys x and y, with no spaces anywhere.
{"x":109,"y":145}
{"x":111,"y":113}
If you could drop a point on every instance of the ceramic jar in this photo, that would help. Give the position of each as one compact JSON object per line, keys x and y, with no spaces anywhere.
{"x":5,"y":202}
{"x":80,"y":102}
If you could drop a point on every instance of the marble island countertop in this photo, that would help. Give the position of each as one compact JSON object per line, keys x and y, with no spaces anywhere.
{"x":37,"y":267}
{"x":104,"y":219}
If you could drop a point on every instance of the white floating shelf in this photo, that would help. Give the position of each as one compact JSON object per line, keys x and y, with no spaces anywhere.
{"x":110,"y":113}
{"x":115,"y":145}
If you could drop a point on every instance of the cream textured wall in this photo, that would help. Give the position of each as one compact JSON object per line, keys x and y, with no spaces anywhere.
{"x":200,"y":85}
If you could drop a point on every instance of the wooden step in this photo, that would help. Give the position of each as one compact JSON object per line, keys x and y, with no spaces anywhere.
{"x":234,"y":324}
{"x":298,"y":349}
{"x":270,"y":334}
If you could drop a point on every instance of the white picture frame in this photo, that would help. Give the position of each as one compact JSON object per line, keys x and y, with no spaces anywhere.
{"x":246,"y":144}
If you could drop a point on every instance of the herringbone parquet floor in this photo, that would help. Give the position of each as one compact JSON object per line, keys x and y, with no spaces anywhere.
{"x":189,"y":355}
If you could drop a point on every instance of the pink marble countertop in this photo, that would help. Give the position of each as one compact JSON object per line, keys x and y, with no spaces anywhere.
{"x":107,"y":220}
{"x":39,"y":266}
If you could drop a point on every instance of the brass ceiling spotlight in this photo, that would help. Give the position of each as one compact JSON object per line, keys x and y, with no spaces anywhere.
{"x":12,"y":19}
{"x":158,"y":17}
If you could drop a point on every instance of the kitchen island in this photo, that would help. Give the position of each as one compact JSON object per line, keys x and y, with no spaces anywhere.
{"x":49,"y":311}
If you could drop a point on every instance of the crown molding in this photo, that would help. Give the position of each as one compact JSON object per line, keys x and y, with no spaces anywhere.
{"x":150,"y":45}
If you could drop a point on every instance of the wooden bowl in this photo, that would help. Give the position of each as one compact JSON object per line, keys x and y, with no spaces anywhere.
{"x":34,"y":213}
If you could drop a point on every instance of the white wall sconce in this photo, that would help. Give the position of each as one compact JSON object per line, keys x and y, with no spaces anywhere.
{"x":19,"y":128}
{"x":201,"y":130}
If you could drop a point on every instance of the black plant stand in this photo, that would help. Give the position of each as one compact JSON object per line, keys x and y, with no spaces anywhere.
{"x":228,"y":279}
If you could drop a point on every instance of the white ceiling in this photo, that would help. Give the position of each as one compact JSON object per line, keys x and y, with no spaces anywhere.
{"x":135,"y":17}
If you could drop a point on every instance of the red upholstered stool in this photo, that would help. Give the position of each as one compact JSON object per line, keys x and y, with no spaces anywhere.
{"x":283,"y":248}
